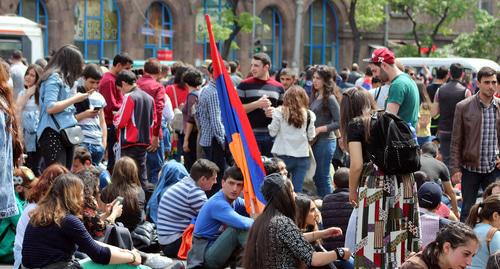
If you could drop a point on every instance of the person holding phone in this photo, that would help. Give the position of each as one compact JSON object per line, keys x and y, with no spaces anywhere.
{"x":90,"y":114}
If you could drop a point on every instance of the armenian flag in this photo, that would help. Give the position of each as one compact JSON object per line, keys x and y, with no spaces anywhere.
{"x":239,"y":133}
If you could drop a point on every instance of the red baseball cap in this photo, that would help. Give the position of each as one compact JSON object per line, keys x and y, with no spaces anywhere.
{"x":381,"y":55}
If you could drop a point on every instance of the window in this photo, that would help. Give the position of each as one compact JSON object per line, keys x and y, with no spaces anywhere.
{"x":36,"y":10}
{"x":486,"y":5}
{"x":214,"y":8}
{"x":97,"y":30}
{"x":271,"y":40}
{"x":159,"y":18}
{"x":320,"y":34}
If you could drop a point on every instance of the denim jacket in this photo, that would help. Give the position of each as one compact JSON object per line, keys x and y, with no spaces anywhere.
{"x":52,"y":90}
{"x":8,"y":206}
{"x":30,"y":119}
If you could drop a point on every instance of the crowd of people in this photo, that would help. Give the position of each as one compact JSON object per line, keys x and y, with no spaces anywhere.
{"x":106,"y":165}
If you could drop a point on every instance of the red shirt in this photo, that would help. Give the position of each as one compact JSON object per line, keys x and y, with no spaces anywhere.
{"x":152,"y":87}
{"x":113,"y":96}
{"x":181,"y":93}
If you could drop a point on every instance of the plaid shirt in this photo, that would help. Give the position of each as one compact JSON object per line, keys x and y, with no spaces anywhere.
{"x":209,"y":116}
{"x":488,"y":150}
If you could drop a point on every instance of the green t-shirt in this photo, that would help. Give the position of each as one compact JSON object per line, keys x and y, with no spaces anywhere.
{"x":8,"y":234}
{"x":404,"y":91}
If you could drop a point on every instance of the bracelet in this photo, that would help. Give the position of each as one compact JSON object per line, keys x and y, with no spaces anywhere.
{"x":133,"y":256}
{"x":339,"y":257}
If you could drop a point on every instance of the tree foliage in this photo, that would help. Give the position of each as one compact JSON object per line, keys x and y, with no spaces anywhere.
{"x":227,"y":24}
{"x":432,"y":17}
{"x":483,"y":41}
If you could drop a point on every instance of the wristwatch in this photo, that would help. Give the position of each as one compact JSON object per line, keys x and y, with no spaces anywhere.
{"x":340,"y":253}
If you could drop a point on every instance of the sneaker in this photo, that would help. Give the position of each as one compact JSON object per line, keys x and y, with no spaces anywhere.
{"x":155,"y":261}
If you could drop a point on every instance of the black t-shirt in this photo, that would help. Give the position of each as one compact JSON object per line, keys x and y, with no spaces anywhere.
{"x":432,"y":89}
{"x":356,"y":133}
{"x":434,"y":169}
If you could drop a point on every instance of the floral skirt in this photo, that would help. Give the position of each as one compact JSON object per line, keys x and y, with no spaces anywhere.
{"x":388,"y":225}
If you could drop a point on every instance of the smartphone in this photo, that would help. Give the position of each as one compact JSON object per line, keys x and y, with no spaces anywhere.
{"x":119,"y":199}
{"x":97,"y":108}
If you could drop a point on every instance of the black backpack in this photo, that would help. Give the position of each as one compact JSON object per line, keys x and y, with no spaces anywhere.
{"x":392,"y":146}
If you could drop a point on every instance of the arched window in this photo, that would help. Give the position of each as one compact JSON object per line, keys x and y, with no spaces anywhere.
{"x":271,"y":40}
{"x":214,"y":8}
{"x":36,"y":10}
{"x":97,"y":29}
{"x":320,"y":34}
{"x":159,"y":19}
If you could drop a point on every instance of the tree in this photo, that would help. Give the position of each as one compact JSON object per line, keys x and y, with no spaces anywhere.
{"x":229,"y":24}
{"x":483,"y":41}
{"x":363,"y":15}
{"x":431,"y":17}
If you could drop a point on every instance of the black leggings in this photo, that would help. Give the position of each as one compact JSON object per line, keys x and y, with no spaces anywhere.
{"x":54,"y":150}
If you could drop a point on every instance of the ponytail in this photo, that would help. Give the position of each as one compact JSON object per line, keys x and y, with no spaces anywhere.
{"x":483,"y":210}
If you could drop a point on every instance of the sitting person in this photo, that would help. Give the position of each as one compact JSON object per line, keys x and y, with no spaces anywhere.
{"x":222,"y":224}
{"x":23,"y":178}
{"x":82,"y":159}
{"x":307,"y":221}
{"x":182,"y":202}
{"x":443,"y":210}
{"x":37,"y":191}
{"x":125,"y":183}
{"x":94,"y":221}
{"x":429,"y":200}
{"x":484,"y":218}
{"x":55,"y":231}
{"x":275,"y":241}
{"x":493,"y":188}
{"x":454,"y":247}
{"x":337,"y":209}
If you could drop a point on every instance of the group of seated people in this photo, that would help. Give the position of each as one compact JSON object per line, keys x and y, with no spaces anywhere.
{"x":68,"y":214}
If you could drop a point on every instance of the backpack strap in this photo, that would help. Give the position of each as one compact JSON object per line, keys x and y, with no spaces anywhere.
{"x":378,"y":93}
{"x":308,"y":120}
{"x":489,"y":237}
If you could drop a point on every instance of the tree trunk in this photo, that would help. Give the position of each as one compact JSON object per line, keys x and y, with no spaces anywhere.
{"x":227,"y":43}
{"x":414,"y":30}
{"x":356,"y":36}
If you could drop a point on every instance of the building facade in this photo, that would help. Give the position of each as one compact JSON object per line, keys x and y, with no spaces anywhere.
{"x":102,"y":28}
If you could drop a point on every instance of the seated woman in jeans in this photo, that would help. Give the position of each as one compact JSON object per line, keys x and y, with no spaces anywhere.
{"x":55,"y":231}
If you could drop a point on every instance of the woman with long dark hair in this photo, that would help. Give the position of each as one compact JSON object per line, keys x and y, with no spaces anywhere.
{"x":275,"y":241}
{"x":293,"y":127}
{"x":125,"y":183}
{"x":325,"y":105}
{"x":10,"y":145}
{"x":454,"y":247}
{"x":484,"y":218}
{"x":386,"y":205}
{"x":55,"y":231}
{"x":56,"y":101}
{"x":29,"y":115}
{"x":308,"y":217}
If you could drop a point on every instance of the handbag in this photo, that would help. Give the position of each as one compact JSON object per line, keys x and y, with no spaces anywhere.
{"x":144,"y":235}
{"x":312,"y":166}
{"x":118,"y":236}
{"x":178,"y":120}
{"x":70,"y":136}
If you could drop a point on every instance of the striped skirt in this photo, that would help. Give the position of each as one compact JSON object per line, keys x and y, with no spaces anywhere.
{"x":388,"y":227}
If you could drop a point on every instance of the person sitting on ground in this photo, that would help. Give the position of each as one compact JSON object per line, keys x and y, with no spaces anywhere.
{"x":454,"y":247}
{"x":37,"y":191}
{"x":55,"y":231}
{"x":493,"y":188}
{"x":484,"y":217}
{"x":275,"y":241}
{"x":429,"y":200}
{"x":82,"y":159}
{"x":493,"y":261}
{"x":23,"y":179}
{"x":125,"y":183}
{"x":308,"y":217}
{"x":182,"y":202}
{"x":94,"y":221}
{"x":437,"y":170}
{"x":442,"y":210}
{"x":222,"y":224}
{"x":337,"y":208}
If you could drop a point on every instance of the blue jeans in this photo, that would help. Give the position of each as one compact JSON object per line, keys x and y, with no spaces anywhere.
{"x":423,"y":139}
{"x":265,"y":143}
{"x":154,"y":162}
{"x":297,"y":167}
{"x":471,"y":182}
{"x":323,"y":151}
{"x":166,"y":139}
{"x":349,"y":264}
{"x":96,"y":151}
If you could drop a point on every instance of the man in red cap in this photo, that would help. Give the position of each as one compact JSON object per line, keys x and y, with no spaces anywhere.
{"x":403,"y":99}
